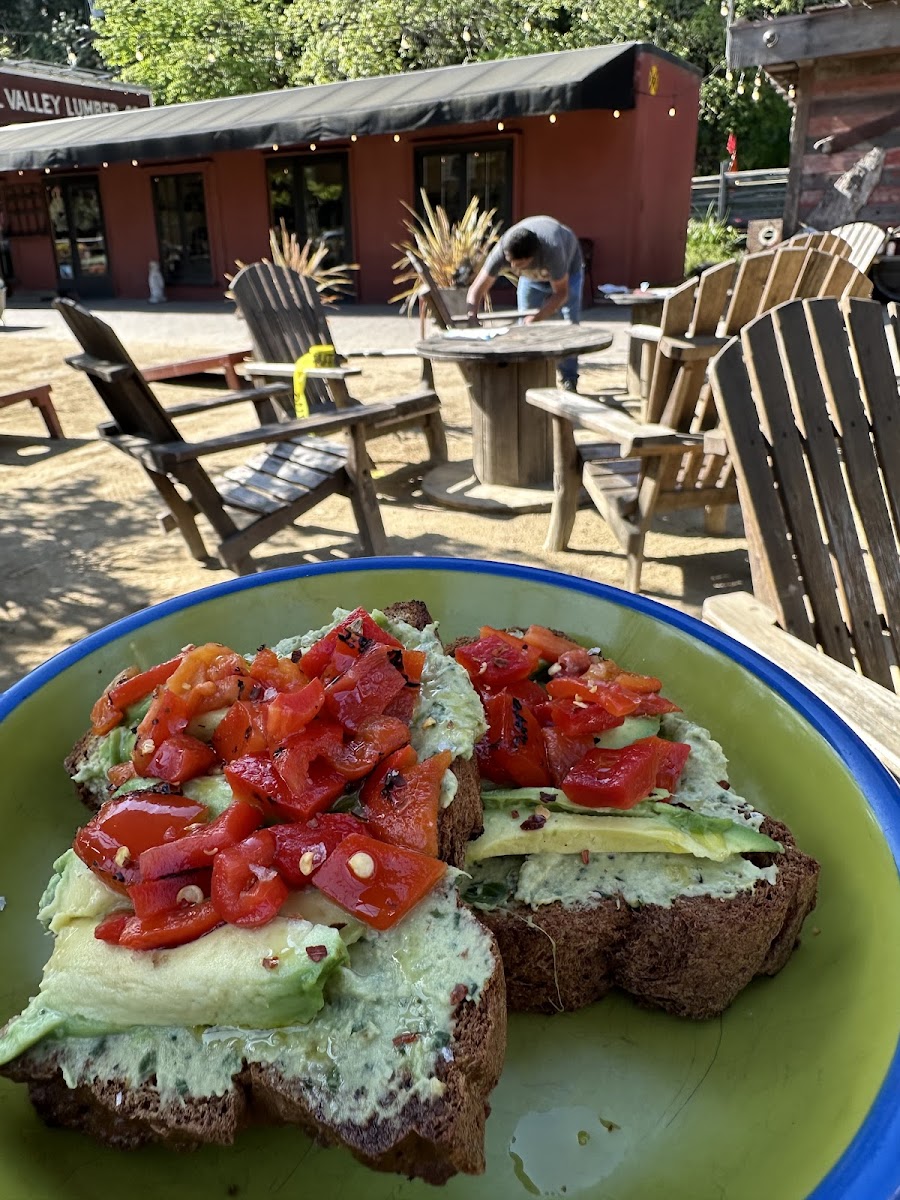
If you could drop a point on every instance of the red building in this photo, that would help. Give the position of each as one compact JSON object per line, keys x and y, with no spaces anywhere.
{"x":601,"y":138}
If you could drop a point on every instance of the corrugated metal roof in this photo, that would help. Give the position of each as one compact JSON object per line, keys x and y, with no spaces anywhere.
{"x":566,"y":81}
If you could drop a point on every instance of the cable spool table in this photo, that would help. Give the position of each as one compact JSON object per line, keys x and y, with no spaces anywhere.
{"x":511,"y":469}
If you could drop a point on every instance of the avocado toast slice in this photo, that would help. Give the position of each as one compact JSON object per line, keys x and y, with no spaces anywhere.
{"x":594,"y":873}
{"x":381,"y":1035}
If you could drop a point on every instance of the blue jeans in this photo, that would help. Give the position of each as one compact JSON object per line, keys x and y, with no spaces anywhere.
{"x":531,"y":293}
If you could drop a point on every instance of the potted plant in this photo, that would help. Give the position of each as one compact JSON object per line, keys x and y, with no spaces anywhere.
{"x":454,"y":251}
{"x":332,"y":282}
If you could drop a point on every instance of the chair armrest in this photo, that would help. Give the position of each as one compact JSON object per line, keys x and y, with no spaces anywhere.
{"x":869,"y":709}
{"x":690,"y":349}
{"x":286,"y":371}
{"x":162,"y":456}
{"x":633,"y":438}
{"x":267,"y":391}
{"x":99,"y":368}
{"x":645,"y":333}
{"x":390,"y":352}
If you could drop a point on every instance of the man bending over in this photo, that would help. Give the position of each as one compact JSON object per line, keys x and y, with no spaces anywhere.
{"x":546,"y":256}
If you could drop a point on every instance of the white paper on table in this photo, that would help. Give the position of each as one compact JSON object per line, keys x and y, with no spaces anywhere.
{"x":477,"y":335}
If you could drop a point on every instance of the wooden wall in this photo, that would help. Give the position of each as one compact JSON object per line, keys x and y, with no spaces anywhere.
{"x":844,"y":94}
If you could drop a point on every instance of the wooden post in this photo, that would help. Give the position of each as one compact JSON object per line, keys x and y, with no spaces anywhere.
{"x":511,"y":440}
{"x":799,"y":130}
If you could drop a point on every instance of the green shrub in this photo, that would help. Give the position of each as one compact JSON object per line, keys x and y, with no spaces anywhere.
{"x":709,"y":240}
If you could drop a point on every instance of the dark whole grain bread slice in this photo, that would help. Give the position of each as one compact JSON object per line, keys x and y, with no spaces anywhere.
{"x":691,"y":959}
{"x":457,"y":823}
{"x":430,"y":1139}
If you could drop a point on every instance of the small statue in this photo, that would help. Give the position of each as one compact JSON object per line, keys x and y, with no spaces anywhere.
{"x":156,"y":284}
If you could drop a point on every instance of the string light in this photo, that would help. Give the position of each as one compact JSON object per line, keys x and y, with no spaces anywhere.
{"x":46,"y":170}
{"x":404,"y":42}
{"x":139,"y":56}
{"x":106,"y":164}
{"x":500,"y":126}
{"x":616,"y":113}
{"x":740,"y":87}
{"x":134,"y":162}
{"x":553,"y":118}
{"x":466,"y":36}
{"x":729,"y":75}
{"x":312,"y":145}
{"x":278,"y":56}
{"x":21,"y":172}
{"x":352,"y":137}
{"x":792,"y":92}
{"x":211,"y":57}
{"x":672,"y":112}
{"x":526,"y":25}
{"x":723,"y":11}
{"x":396,"y":137}
{"x":275,"y":146}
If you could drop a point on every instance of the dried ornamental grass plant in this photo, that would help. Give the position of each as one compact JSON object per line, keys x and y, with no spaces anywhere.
{"x":332,"y":283}
{"x":453,"y":252}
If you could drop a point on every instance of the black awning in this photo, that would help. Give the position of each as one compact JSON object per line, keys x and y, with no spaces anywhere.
{"x":566,"y":81}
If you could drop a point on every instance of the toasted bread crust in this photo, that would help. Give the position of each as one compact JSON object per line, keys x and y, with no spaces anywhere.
{"x":690,"y":959}
{"x":428,"y":1139}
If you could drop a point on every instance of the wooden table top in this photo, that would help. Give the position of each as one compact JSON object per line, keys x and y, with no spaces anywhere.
{"x":548,"y":339}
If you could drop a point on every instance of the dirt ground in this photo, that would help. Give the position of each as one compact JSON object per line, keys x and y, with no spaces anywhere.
{"x":81,"y":546}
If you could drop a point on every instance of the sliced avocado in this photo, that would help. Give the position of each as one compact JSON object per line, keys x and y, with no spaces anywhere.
{"x":665,"y":833}
{"x":205,"y":724}
{"x":108,"y":751}
{"x":261,"y":978}
{"x":556,"y":800}
{"x":32,"y":1025}
{"x":212,"y":791}
{"x":74,"y":892}
{"x":631,"y":730}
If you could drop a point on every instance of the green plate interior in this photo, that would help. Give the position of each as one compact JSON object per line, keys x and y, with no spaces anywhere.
{"x":606,"y":1103}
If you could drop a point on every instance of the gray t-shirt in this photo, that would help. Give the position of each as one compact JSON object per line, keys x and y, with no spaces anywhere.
{"x":558,"y":253}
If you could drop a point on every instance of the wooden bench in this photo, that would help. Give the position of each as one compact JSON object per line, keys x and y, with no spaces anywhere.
{"x":201,"y":366}
{"x":39,"y":396}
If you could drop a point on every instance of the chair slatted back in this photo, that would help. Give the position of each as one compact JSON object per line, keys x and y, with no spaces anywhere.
{"x":430,"y":291}
{"x":865,"y":239}
{"x":283,"y":320}
{"x":828,"y":241}
{"x":128,"y":396}
{"x":808,"y":399}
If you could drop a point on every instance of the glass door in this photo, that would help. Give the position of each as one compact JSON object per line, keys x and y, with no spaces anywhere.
{"x":79,"y":236}
{"x":311,"y":195}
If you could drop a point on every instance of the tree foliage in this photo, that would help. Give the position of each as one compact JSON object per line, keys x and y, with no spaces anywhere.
{"x":194,"y":49}
{"x":55,"y":32}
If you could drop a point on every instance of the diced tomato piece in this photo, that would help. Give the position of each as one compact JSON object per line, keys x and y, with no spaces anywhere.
{"x":376,"y":882}
{"x":402,"y":800}
{"x":495,"y":661}
{"x":514,"y":641}
{"x":173,"y":928}
{"x":246,"y":888}
{"x":253,"y":778}
{"x":290,"y":712}
{"x":110,"y":928}
{"x":112,"y":841}
{"x":151,"y":897}
{"x":198,"y":849}
{"x":304,"y":763}
{"x":528,"y":691}
{"x":671,"y":761}
{"x":638,"y":683}
{"x":613,"y":778}
{"x":337,"y":649}
{"x":576,"y":719}
{"x":137,"y":686}
{"x":549,"y":645}
{"x":564,"y":752}
{"x":132,"y":685}
{"x":279,"y":674}
{"x":654,"y":706}
{"x":403,"y":706}
{"x":613,"y":698}
{"x":411,"y":667}
{"x":371,"y":744}
{"x":366,"y":688}
{"x":241,"y":731}
{"x":213,"y":676}
{"x":514,"y":744}
{"x":167,"y":715}
{"x":120,"y":773}
{"x":179,"y":758}
{"x":316,"y":837}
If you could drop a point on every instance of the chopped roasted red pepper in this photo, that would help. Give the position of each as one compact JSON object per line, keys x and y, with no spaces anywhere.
{"x":577,"y":718}
{"x":614,"y":778}
{"x":549,"y":645}
{"x":151,"y":897}
{"x":277,"y":674}
{"x":246,"y":888}
{"x":198,"y":849}
{"x":173,"y":928}
{"x":179,"y":758}
{"x":564,"y":752}
{"x":334,"y":653}
{"x":133,"y":685}
{"x":366,"y":688}
{"x":401,"y":799}
{"x":315,"y":838}
{"x":253,"y":778}
{"x":376,"y":882}
{"x":513,"y":748}
{"x":672,"y":759}
{"x":241,"y":731}
{"x":291,"y":712}
{"x":496,"y":660}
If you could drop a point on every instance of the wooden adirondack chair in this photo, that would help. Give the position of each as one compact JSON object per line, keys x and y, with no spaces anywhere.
{"x":634,"y":470}
{"x":866,"y":241}
{"x":436,"y":302}
{"x":245,"y":505}
{"x":829,"y":241}
{"x":285,"y":317}
{"x":808,"y":402}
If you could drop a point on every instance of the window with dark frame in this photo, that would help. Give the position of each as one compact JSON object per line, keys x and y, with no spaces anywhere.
{"x":179,"y":202}
{"x":311,"y":194}
{"x":451,"y":175}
